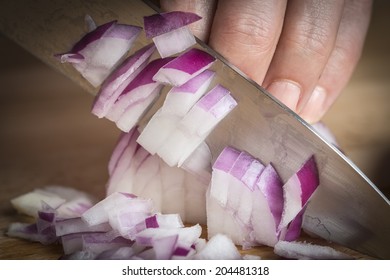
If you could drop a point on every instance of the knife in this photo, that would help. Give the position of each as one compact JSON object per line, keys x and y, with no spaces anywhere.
{"x":347,"y":208}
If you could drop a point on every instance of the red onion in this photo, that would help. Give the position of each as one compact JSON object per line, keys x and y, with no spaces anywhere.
{"x":137,"y":96}
{"x":119,"y":79}
{"x":183,"y":68}
{"x":246,"y":200}
{"x":298,"y":189}
{"x":196,"y":125}
{"x":169,"y":31}
{"x":178,"y":102}
{"x":100,"y":50}
{"x":219,"y":247}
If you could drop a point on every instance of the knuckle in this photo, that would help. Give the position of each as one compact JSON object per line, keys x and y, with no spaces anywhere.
{"x":255,"y":32}
{"x":312,"y":40}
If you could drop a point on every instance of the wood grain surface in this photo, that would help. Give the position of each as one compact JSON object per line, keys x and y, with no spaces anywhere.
{"x":48,"y":135}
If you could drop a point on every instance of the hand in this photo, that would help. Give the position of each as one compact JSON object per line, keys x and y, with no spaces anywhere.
{"x":302,"y":51}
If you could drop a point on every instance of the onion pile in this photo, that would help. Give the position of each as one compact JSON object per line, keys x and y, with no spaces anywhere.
{"x":173,"y":190}
{"x":121,"y":226}
{"x":162,"y":175}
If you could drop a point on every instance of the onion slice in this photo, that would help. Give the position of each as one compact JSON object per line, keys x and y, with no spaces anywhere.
{"x":184,"y":67}
{"x":170,"y":32}
{"x":298,"y":190}
{"x":119,"y":79}
{"x":196,"y":125}
{"x":136,"y":96}
{"x":100,"y":50}
{"x":178,"y":102}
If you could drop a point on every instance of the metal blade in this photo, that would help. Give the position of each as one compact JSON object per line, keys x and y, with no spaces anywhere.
{"x":347,"y":208}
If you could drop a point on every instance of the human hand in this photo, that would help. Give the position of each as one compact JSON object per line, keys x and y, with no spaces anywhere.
{"x":302,"y":51}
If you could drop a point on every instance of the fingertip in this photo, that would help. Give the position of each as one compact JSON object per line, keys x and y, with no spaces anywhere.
{"x":315,"y":108}
{"x":287,"y":92}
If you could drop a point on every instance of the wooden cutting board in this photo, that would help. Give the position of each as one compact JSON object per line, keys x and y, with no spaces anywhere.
{"x":49,"y":136}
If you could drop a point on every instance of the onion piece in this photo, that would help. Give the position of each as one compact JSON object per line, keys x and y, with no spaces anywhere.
{"x":31,"y":202}
{"x":122,"y":253}
{"x":119,"y":79}
{"x":126,"y":164}
{"x":298,"y":190}
{"x":178,"y":102}
{"x":196,"y":125}
{"x":77,"y":225}
{"x":174,"y":42}
{"x":199,"y":163}
{"x":172,"y":189}
{"x":79,"y":255}
{"x":98,"y":214}
{"x":30,"y":232}
{"x":98,"y":242}
{"x":219,"y":247}
{"x":169,"y":31}
{"x":183,"y":68}
{"x":67,"y":201}
{"x":307,"y":251}
{"x":271,"y":185}
{"x":139,"y":92}
{"x":100,"y":50}
{"x":136,"y":110}
{"x":120,"y":147}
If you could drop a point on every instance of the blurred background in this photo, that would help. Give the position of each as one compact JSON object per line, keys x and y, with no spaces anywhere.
{"x":49,"y":136}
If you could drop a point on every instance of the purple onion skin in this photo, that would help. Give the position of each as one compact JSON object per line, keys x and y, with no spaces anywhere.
{"x":309,"y":179}
{"x":271,"y":186}
{"x":294,"y":228}
{"x":208,"y":101}
{"x":92,"y":36}
{"x":193,"y":85}
{"x":130,"y":61}
{"x":191,"y":61}
{"x":241,"y":165}
{"x":158,"y":24}
{"x":151,"y":222}
{"x":180,"y":251}
{"x":146,"y":75}
{"x":226,"y":159}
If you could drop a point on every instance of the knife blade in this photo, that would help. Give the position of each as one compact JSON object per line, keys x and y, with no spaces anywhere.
{"x":347,"y":208}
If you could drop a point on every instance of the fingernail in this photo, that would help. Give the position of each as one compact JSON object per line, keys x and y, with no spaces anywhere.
{"x":287,"y":92}
{"x":314,"y":109}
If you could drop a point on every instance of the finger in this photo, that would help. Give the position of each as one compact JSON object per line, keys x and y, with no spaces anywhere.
{"x":343,"y":60}
{"x":246,"y":33}
{"x":308,"y":37}
{"x":203,"y":8}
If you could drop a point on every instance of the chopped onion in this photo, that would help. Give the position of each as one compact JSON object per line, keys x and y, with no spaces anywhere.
{"x":178,"y":102}
{"x":170,"y":32}
{"x":137,"y":96}
{"x":67,"y":201}
{"x":119,"y":79}
{"x":77,"y":225}
{"x":219,"y":247}
{"x":183,"y":68}
{"x":172,"y":189}
{"x":248,"y":201}
{"x":100,"y":50}
{"x":298,"y":190}
{"x":196,"y":125}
